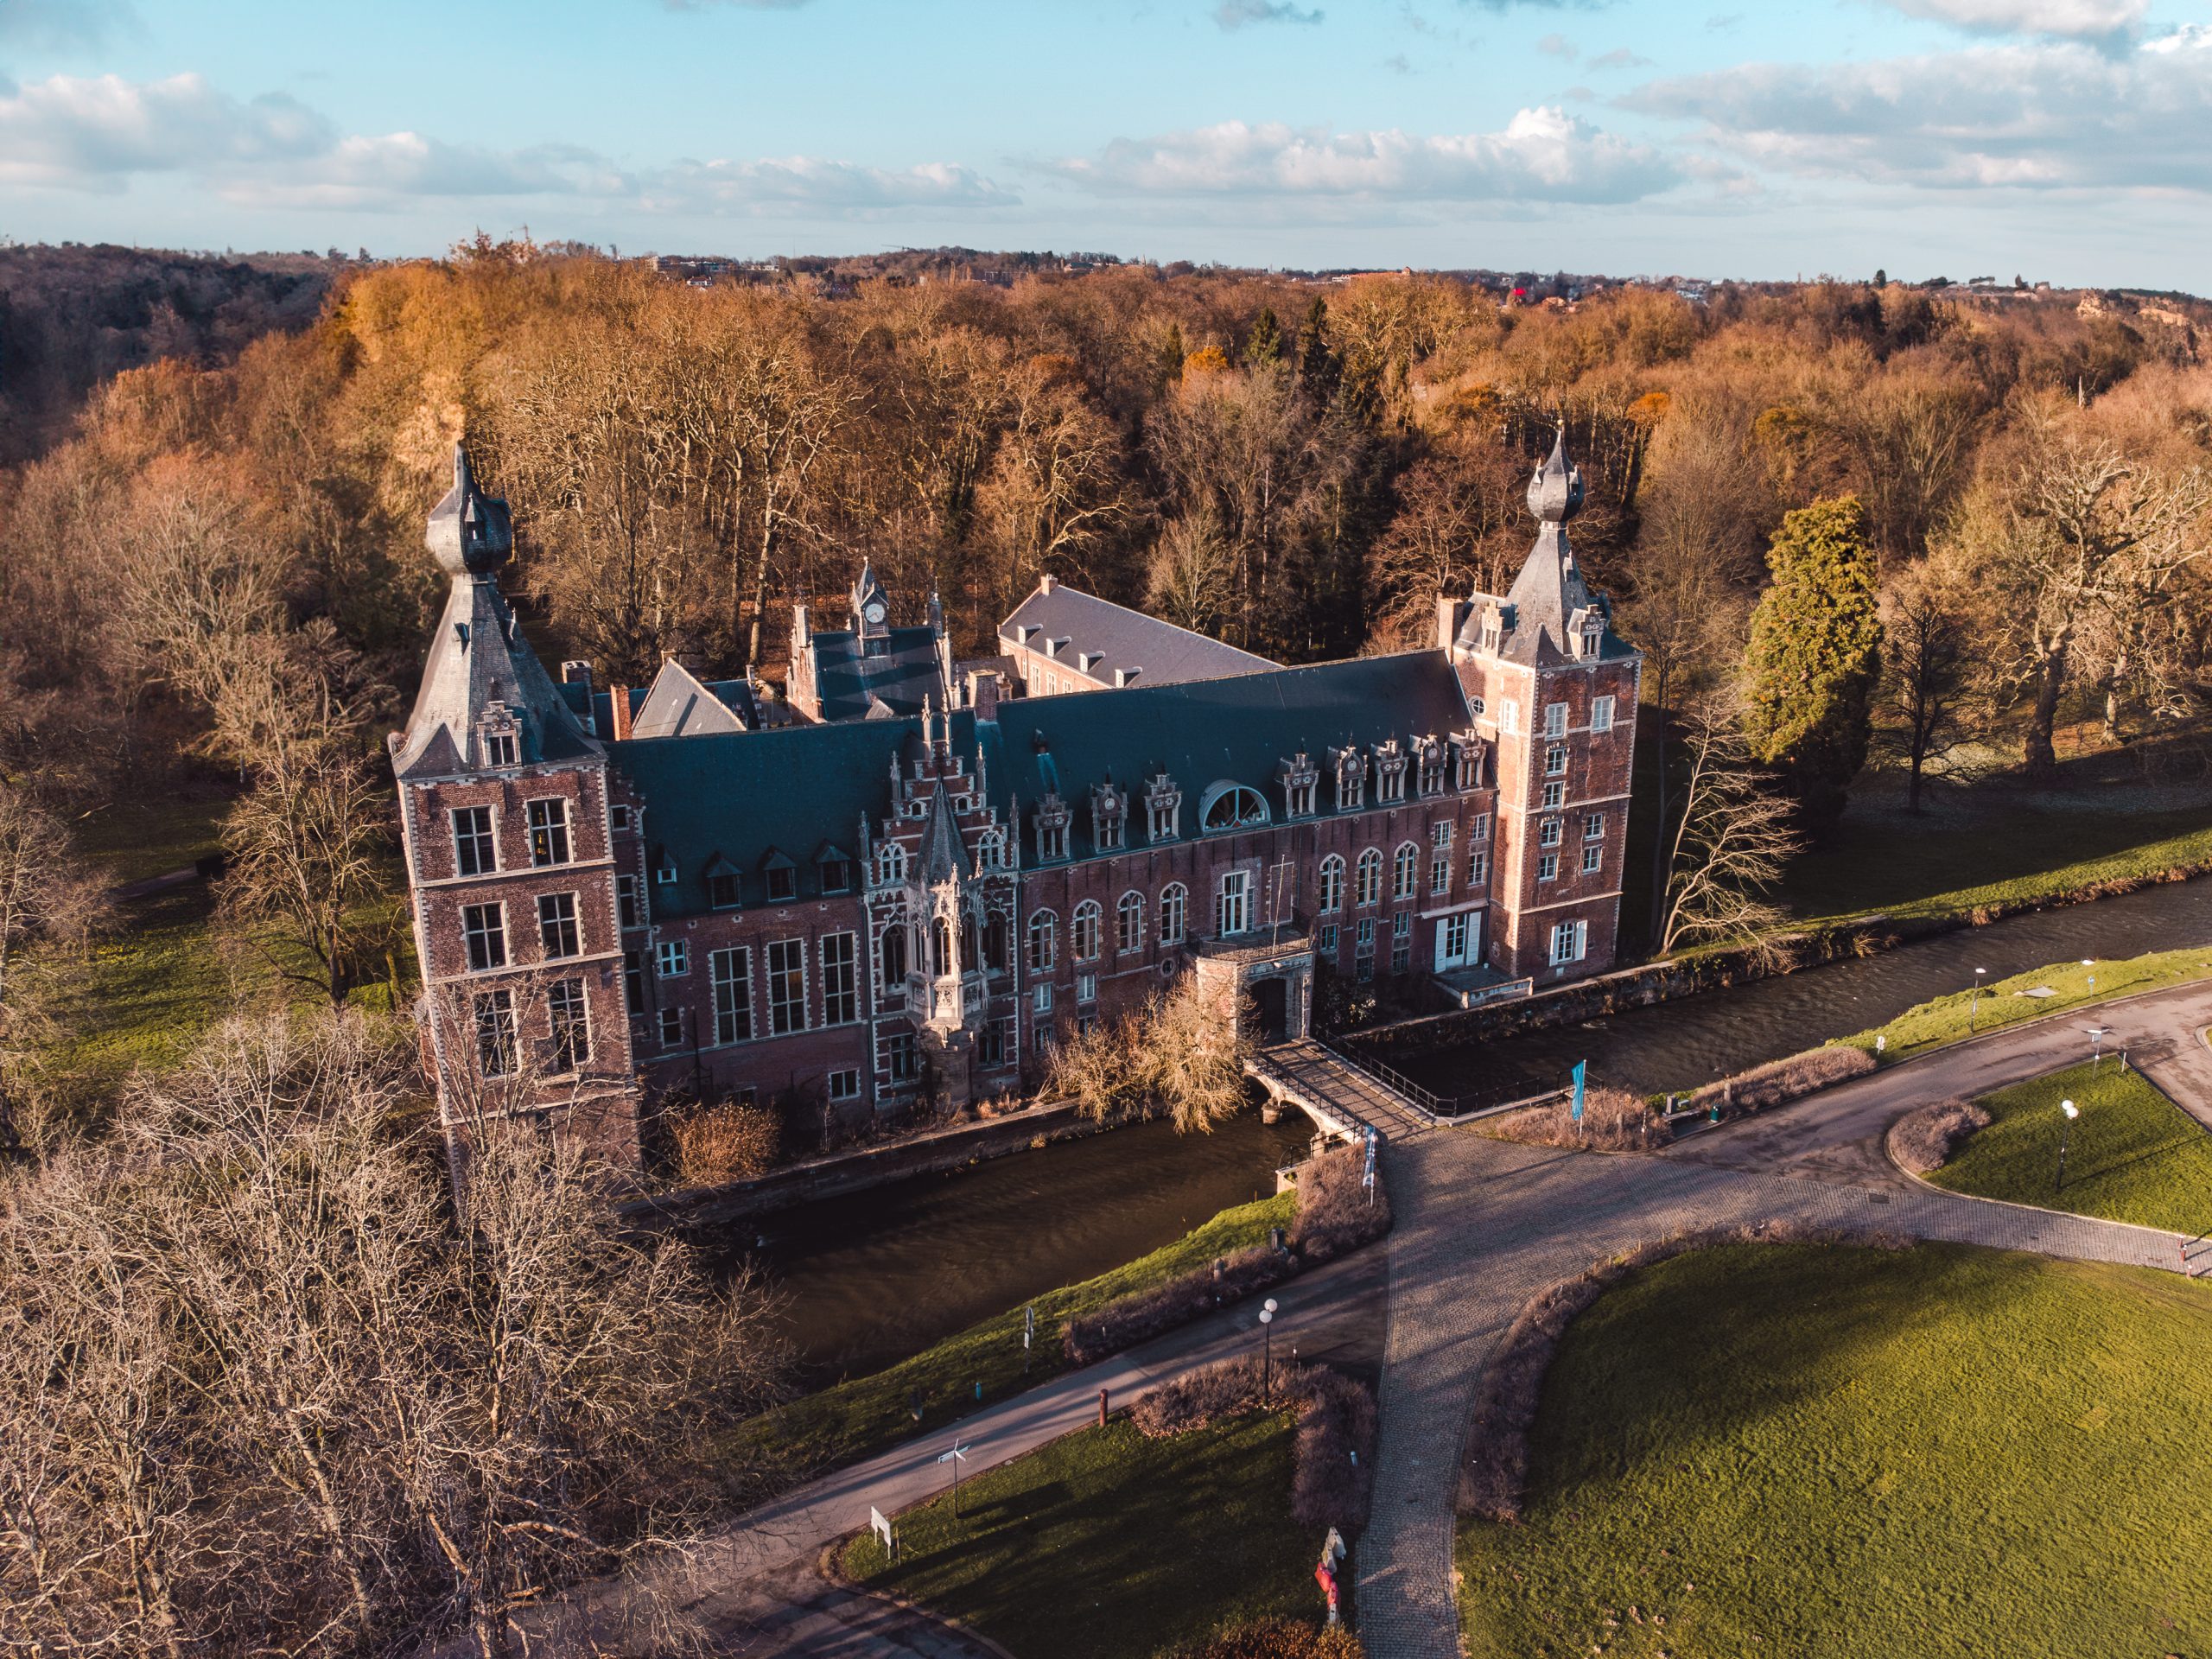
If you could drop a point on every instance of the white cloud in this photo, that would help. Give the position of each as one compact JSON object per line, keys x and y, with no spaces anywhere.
{"x":1542,"y":155}
{"x":2040,"y":115}
{"x":2080,"y":19}
{"x":99,"y":133}
{"x":1235,"y":13}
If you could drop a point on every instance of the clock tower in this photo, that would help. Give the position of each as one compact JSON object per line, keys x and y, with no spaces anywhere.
{"x":871,"y":613}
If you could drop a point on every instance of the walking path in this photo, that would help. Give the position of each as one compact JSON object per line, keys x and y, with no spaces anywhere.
{"x":1483,"y":1225}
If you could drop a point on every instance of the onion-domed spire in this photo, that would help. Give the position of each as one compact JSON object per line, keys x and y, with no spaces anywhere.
{"x":1555,"y":490}
{"x":469,"y":532}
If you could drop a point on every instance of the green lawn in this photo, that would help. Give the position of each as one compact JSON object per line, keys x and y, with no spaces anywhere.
{"x":1984,"y":847}
{"x":1797,"y":1449}
{"x":857,"y":1418}
{"x":1945,"y":1020}
{"x":1106,"y":1545}
{"x":2133,"y":1154}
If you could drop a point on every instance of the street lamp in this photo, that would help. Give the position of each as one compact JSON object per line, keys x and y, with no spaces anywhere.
{"x":2065,"y":1136}
{"x":2090,"y":963}
{"x":1267,"y":1350}
{"x":1976,"y":1003}
{"x":2097,"y":1035}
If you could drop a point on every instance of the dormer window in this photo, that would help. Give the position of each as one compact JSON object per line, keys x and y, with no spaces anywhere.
{"x":1232,"y":806}
{"x":890,"y":863}
{"x":1052,"y":829}
{"x":501,"y":747}
{"x":990,"y":851}
{"x":723,"y":888}
{"x":1493,"y":629}
{"x":1301,"y":781}
{"x":1587,"y":633}
{"x":1432,"y":767}
{"x":1467,"y":762}
{"x":665,"y":870}
{"x":836,"y":870}
{"x":1108,"y":816}
{"x":779,"y":878}
{"x":1163,"y":804}
{"x":1351,"y":780}
{"x":1391,"y":765}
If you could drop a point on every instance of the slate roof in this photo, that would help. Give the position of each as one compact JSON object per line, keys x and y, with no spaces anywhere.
{"x":1124,"y":640}
{"x":736,"y":696}
{"x":1549,"y":588}
{"x":740,"y":796}
{"x":851,"y":684}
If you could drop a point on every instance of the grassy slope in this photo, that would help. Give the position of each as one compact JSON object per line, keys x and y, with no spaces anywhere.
{"x":862,"y":1416}
{"x":2135,"y":1155}
{"x":1944,"y":1019}
{"x":1106,"y":1545}
{"x":1987,"y":847}
{"x":1909,"y":1454}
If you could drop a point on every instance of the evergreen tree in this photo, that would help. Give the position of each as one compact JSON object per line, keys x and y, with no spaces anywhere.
{"x":1171,"y":354}
{"x":1816,"y":644}
{"x":1263,"y":346}
{"x":1318,"y":369}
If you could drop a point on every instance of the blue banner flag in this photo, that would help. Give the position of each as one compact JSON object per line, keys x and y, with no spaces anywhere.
{"x":1580,"y":1065}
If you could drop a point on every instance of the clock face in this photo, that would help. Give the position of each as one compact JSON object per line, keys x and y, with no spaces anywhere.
{"x":873,"y":614}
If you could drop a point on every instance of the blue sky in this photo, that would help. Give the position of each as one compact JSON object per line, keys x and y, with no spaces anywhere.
{"x":2062,"y":139}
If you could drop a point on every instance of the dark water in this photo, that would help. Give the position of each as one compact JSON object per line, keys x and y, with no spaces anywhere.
{"x":1697,"y":1038}
{"x":878,"y":1275}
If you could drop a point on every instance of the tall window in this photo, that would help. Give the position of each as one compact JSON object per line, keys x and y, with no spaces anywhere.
{"x":1082,"y":932}
{"x":1174,"y":911}
{"x":1440,"y":871}
{"x":556,"y":924}
{"x":840,"y":980}
{"x":1550,"y":832}
{"x":890,"y":862}
{"x":786,"y":986}
{"x":548,"y":832}
{"x":1593,"y":860}
{"x":495,"y":1032}
{"x":571,"y":1023}
{"x":1477,"y":867}
{"x":1547,"y":867}
{"x":474,"y":850}
{"x":633,"y":982}
{"x":895,"y":958}
{"x":1331,"y":895}
{"x":1509,"y":717}
{"x":483,"y":927}
{"x":1555,"y":760}
{"x":731,"y":974}
{"x":626,"y":901}
{"x":1555,"y":795}
{"x":990,"y":851}
{"x":1554,"y":720}
{"x":1042,"y":942}
{"x":1593,"y":827}
{"x":1568,"y":942}
{"x":1128,"y":923}
{"x":1601,"y":714}
{"x":1368,"y":888}
{"x":1232,"y":903}
{"x":1402,"y":870}
{"x":900,"y":1057}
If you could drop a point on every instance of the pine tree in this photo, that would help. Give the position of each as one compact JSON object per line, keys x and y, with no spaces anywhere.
{"x":1263,"y":346}
{"x":1816,"y":649}
{"x":1318,"y":369}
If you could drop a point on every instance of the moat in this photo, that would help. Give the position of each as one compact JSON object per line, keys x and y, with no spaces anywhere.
{"x":875,"y":1276}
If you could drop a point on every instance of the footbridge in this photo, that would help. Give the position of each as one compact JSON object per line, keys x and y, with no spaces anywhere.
{"x":1343,"y":1099}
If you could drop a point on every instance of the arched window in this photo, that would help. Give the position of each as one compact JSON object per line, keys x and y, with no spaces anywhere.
{"x":1368,"y":887}
{"x":894,"y":955}
{"x":890,"y":862}
{"x":1082,"y":932}
{"x":1174,"y":905}
{"x":1332,"y":896}
{"x":1128,"y":923}
{"x":990,"y":851}
{"x":1042,"y":930}
{"x":940,"y":946}
{"x":1401,"y":870}
{"x":998,"y":933}
{"x":1232,"y":806}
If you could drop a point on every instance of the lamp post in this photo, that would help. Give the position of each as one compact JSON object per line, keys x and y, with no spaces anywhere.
{"x":2065,"y":1136}
{"x":1267,"y":1351}
{"x":1974,"y":1007}
{"x":2091,"y":964}
{"x":2097,"y":1035}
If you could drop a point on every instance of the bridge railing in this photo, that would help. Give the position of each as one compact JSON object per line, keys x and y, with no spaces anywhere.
{"x":1435,"y":1104}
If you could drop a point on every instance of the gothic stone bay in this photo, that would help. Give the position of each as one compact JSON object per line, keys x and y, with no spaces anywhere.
{"x":900,"y":882}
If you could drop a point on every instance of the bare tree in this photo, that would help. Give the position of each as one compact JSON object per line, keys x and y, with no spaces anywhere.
{"x":1182,"y":1051}
{"x":1927,"y":672}
{"x":1730,"y":845}
{"x":1193,"y":583}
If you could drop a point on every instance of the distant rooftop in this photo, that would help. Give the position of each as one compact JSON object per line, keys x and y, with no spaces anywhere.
{"x":1102,"y":638}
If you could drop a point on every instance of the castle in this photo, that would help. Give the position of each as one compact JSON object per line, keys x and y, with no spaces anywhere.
{"x":904,"y":879}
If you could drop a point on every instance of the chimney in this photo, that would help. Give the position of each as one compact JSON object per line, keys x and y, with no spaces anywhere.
{"x":575,"y":672}
{"x":799,"y":635}
{"x":983,"y":694}
{"x":1046,"y":583}
{"x":619,"y":699}
{"x":1450,"y":615}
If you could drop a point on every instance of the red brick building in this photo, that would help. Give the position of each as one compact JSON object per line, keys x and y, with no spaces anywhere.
{"x":844,"y":914}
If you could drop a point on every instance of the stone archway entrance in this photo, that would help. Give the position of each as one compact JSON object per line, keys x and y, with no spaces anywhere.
{"x":1271,"y":1010}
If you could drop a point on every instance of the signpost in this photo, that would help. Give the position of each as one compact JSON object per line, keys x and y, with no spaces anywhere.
{"x":1575,"y":1111}
{"x":881,"y":1529}
{"x":957,"y":1456}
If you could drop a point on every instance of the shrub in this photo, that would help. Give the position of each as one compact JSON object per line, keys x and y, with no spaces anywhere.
{"x":1276,"y":1638}
{"x":1925,"y":1138}
{"x":1783,"y":1080}
{"x":1612,"y":1119}
{"x":1335,"y":1449}
{"x":1336,"y":1213}
{"x":727,"y":1141}
{"x":1145,"y":1314}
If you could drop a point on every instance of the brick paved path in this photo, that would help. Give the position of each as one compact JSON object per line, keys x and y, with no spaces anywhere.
{"x":1483,"y":1225}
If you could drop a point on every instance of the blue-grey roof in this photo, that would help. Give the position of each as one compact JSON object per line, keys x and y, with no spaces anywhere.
{"x":736,"y":696}
{"x":740,"y":795}
{"x":848,"y":684}
{"x":1123,"y":638}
